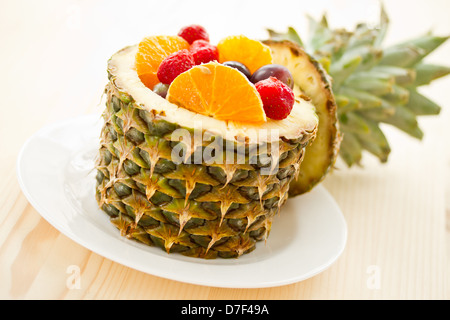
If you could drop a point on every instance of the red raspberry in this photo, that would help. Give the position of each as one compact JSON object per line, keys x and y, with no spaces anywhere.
{"x":193,"y":32}
{"x":278,"y":99}
{"x":175,"y":64}
{"x":203,"y":51}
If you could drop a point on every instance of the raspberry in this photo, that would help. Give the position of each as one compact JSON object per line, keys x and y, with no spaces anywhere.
{"x":197,"y":44}
{"x":277,"y":97}
{"x":203,"y":51}
{"x":193,"y":32}
{"x":175,"y":64}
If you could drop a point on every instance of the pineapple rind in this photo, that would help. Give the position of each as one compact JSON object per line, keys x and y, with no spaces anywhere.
{"x":199,"y":210}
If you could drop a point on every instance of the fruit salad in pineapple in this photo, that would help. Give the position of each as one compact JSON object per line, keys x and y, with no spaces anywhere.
{"x":201,"y":141}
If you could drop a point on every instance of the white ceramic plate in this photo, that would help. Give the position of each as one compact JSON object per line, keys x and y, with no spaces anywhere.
{"x":55,"y":172}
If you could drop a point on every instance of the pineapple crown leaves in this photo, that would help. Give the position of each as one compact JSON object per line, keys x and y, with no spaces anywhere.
{"x":372,"y":84}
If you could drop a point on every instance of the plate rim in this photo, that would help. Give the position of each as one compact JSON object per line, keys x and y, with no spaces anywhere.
{"x":149,"y":269}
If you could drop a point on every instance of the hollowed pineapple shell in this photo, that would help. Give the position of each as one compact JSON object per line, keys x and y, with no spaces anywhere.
{"x":201,"y":209}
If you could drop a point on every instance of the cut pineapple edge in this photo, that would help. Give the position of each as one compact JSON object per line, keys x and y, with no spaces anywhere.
{"x":309,"y":75}
{"x":302,"y":121}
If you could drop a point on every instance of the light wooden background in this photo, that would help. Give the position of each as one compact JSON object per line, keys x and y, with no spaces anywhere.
{"x":52,"y":67}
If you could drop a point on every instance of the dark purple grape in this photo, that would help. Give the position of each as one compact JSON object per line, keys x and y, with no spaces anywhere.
{"x":239,"y":66}
{"x":161,"y":89}
{"x":273,"y":70}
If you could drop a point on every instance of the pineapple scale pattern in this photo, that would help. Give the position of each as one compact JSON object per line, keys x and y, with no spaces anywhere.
{"x":199,"y":210}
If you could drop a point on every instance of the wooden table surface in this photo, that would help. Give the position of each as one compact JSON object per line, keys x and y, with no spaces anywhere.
{"x":52,"y":66}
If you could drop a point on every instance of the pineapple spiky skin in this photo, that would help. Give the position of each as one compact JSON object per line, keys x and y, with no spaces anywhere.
{"x":205,"y":210}
{"x":372,"y":84}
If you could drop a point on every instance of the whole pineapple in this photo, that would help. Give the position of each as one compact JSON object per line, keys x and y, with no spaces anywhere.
{"x":206,"y":210}
{"x":371,"y":84}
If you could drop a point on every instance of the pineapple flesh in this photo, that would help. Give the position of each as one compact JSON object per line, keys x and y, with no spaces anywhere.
{"x":311,"y":81}
{"x":197,"y":208}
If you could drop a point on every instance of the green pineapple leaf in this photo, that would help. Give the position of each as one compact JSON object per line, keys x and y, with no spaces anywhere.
{"x":374,"y":84}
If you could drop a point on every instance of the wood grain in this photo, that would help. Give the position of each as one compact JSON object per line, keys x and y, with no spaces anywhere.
{"x":54,"y":69}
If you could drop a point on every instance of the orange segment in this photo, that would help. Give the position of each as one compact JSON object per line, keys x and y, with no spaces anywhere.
{"x":152,"y":51}
{"x":252,"y":53}
{"x":218,"y":91}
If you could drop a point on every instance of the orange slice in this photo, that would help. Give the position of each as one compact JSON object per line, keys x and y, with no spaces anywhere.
{"x":218,"y":91}
{"x":252,"y":53}
{"x":152,"y":51}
